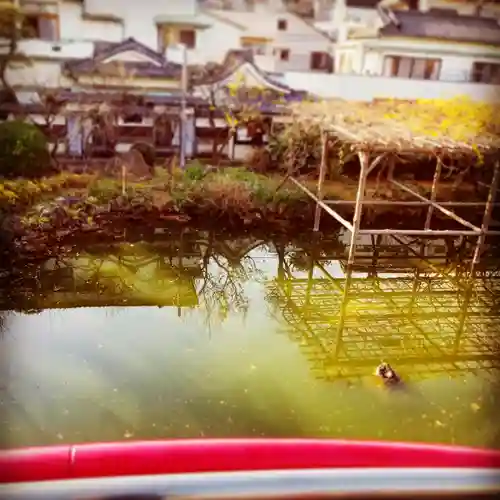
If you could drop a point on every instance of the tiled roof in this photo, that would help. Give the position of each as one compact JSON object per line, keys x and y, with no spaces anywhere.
{"x":236,"y":58}
{"x":158,"y":67}
{"x":443,"y":25}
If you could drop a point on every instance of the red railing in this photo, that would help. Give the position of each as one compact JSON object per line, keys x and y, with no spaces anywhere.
{"x":191,"y":456}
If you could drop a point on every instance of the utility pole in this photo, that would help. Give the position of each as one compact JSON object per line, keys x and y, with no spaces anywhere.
{"x":183,"y":121}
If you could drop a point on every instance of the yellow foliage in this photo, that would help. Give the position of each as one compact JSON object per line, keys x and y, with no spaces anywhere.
{"x":453,"y":122}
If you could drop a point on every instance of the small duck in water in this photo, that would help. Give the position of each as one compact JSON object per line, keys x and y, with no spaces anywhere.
{"x":388,"y":375}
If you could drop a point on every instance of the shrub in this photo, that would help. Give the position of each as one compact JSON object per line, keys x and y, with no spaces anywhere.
{"x":104,"y":190}
{"x":23,"y":151}
{"x":297,"y":147}
{"x":22,"y":193}
{"x":195,"y":171}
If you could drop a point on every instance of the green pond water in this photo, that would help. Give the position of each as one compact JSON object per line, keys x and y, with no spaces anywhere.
{"x":201,"y":336}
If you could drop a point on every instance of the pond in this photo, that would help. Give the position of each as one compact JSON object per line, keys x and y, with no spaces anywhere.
{"x":201,"y":335}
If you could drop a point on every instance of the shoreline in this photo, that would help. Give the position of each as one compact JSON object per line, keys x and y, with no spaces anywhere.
{"x":40,"y":217}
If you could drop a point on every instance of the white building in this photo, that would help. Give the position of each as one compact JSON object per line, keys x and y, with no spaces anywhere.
{"x":63,"y":31}
{"x":347,"y":14}
{"x":281,"y":41}
{"x":434,"y":45}
{"x":411,"y":54}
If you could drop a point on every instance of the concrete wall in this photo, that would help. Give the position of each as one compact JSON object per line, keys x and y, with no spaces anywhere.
{"x":366,"y":88}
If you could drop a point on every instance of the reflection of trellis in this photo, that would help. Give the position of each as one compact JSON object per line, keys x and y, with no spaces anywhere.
{"x":421,"y":321}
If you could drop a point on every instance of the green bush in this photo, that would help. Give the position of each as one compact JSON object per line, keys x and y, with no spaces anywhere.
{"x":23,"y":151}
{"x":195,"y":171}
{"x":297,"y":147}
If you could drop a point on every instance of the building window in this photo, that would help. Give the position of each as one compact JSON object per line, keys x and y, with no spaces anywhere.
{"x":412,"y":67}
{"x":132,"y":118}
{"x":320,"y":61}
{"x":43,"y":26}
{"x":284,"y":55}
{"x":486,"y":72}
{"x":188,"y":38}
{"x":282,"y":25}
{"x":170,"y":35}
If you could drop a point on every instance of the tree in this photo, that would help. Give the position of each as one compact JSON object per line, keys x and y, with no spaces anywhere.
{"x":23,"y":150}
{"x":12,"y":29}
{"x":238,"y":104}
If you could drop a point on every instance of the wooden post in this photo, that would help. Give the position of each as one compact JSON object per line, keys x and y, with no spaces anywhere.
{"x":463,"y":318}
{"x":343,"y":312}
{"x":364,"y":160}
{"x":321,"y":179}
{"x":124,"y":179}
{"x":435,"y":182}
{"x":430,"y":209}
{"x":486,"y":218}
{"x":310,"y":277}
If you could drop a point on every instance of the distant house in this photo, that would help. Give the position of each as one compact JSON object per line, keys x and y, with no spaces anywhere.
{"x":483,"y":8}
{"x":347,"y":14}
{"x":280,"y":40}
{"x":127,"y":65}
{"x":69,"y":30}
{"x":240,"y":82}
{"x":435,"y":45}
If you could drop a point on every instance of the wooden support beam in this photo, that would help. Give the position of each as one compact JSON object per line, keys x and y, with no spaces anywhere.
{"x":364,"y":160}
{"x":375,"y":163}
{"x":462,"y":320}
{"x":343,"y":313}
{"x":445,"y":211}
{"x":437,"y":270}
{"x":486,"y":218}
{"x":404,"y":203}
{"x":435,"y":183}
{"x":321,"y":179}
{"x":408,"y":360}
{"x":325,"y":207}
{"x":420,"y":232}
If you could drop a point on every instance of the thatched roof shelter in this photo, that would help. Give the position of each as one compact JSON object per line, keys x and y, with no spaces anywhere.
{"x":456,"y":127}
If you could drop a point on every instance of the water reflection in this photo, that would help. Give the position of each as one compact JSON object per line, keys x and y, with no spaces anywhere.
{"x":422,"y":315}
{"x":197,"y":334}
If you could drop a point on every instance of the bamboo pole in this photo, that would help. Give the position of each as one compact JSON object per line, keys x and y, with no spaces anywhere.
{"x":364,"y":160}
{"x":343,"y":312}
{"x":326,"y":208}
{"x":486,"y":218}
{"x":435,"y":183}
{"x":375,"y":163}
{"x":445,"y":211}
{"x":462,"y":320}
{"x":411,"y":203}
{"x":435,"y":269}
{"x":420,"y":232}
{"x":124,"y":179}
{"x":321,"y":179}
